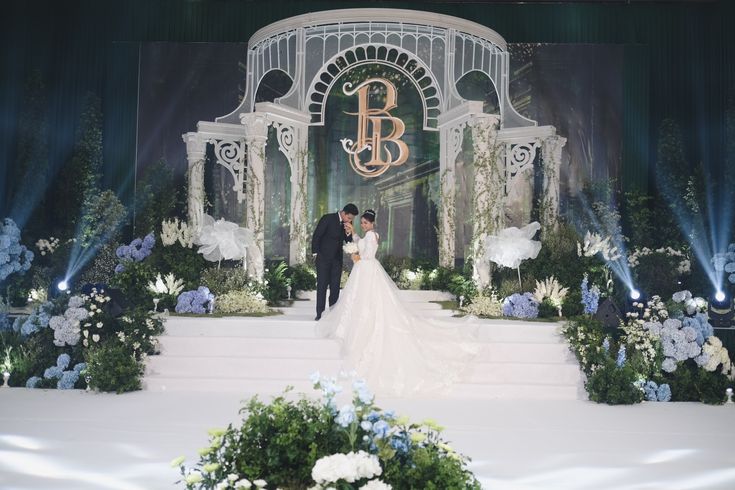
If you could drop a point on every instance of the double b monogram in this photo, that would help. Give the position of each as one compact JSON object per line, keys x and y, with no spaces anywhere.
{"x":369,"y":131}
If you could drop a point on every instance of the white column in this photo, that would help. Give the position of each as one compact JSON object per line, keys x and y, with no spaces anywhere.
{"x":450,"y":144}
{"x":489,"y":191}
{"x":256,"y":136}
{"x":195,"y":152}
{"x":293,"y":143}
{"x":551,"y":149}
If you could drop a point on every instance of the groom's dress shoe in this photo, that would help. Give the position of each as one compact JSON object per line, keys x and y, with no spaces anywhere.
{"x":318,"y":317}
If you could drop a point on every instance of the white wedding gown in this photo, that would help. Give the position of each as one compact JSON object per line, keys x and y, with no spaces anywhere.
{"x":397,"y":350}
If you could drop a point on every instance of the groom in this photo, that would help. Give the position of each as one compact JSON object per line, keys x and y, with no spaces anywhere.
{"x":332,"y":231}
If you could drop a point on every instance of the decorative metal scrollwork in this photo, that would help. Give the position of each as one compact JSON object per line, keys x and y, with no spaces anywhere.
{"x":231,"y":155}
{"x":519,"y":155}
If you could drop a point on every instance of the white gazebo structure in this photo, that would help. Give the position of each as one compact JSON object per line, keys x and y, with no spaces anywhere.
{"x":434,"y":51}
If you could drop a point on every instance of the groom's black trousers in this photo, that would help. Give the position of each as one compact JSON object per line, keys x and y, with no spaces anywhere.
{"x":328,"y":275}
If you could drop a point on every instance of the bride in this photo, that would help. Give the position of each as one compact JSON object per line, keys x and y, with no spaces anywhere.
{"x":397,"y":350}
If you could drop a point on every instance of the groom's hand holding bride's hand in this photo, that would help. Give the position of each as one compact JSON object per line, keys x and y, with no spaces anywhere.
{"x":349,"y":229}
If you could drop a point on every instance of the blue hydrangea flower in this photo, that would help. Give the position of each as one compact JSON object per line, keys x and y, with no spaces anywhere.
{"x":373,"y":416}
{"x":198,"y":301}
{"x":381,"y":429}
{"x":668,"y":365}
{"x":33,"y":382}
{"x":663,"y":394}
{"x":400,"y":444}
{"x":68,"y":380}
{"x":80,"y":367}
{"x":18,"y":323}
{"x":54,"y":372}
{"x":520,"y":306}
{"x":63,"y":360}
{"x":14,"y":257}
{"x":136,"y":251}
{"x":650,"y":389}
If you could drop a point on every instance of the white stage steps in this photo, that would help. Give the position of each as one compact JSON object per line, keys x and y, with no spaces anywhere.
{"x":518,"y":360}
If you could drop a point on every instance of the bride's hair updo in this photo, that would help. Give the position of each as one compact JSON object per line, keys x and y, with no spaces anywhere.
{"x":369,"y":215}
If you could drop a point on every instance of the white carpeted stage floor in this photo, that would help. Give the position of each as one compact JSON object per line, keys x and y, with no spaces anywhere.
{"x":520,"y":416}
{"x":76,"y":440}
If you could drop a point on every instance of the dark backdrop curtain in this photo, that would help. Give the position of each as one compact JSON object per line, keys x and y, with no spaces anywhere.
{"x":680,"y":63}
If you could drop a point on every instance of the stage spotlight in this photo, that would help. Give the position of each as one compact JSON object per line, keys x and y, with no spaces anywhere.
{"x":634,"y":296}
{"x":62,"y":285}
{"x":721,"y":311}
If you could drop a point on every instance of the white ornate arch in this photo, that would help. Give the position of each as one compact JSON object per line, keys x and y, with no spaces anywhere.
{"x":434,"y":51}
{"x":412,"y":67}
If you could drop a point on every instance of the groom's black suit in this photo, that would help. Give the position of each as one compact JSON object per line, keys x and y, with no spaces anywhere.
{"x":326,"y":243}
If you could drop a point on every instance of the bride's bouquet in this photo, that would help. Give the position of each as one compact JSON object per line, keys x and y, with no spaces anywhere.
{"x":350,"y":248}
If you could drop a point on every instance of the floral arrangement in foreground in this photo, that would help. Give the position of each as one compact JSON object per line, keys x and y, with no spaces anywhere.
{"x":327,"y":444}
{"x":80,"y":340}
{"x":662,"y":351}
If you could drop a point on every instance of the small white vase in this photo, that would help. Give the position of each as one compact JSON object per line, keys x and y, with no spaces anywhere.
{"x":6,"y":377}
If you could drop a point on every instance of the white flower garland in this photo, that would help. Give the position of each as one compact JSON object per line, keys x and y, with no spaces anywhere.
{"x":684,"y":267}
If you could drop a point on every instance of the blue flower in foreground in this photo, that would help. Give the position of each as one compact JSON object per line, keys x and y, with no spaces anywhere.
{"x":33,"y":382}
{"x":346,"y":415}
{"x":381,"y":428}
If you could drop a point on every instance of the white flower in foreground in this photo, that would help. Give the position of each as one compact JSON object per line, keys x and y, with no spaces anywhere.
{"x":349,"y":467}
{"x":376,"y":485}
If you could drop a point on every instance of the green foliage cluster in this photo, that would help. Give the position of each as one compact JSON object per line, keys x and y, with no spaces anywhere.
{"x":226,"y":279}
{"x":133,"y":282}
{"x":691,"y":383}
{"x":302,"y":277}
{"x":112,"y":367}
{"x":155,"y":198}
{"x":275,"y":283}
{"x":613,"y":384}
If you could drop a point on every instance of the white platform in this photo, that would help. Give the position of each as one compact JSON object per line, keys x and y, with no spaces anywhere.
{"x":56,"y":440}
{"x":518,"y":360}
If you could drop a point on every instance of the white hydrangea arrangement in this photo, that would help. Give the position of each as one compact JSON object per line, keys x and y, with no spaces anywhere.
{"x":347,"y":468}
{"x":715,"y":355}
{"x":551,"y":290}
{"x":66,"y":327}
{"x":241,"y":302}
{"x":47,"y":246}
{"x":485,"y":305}
{"x":410,"y":279}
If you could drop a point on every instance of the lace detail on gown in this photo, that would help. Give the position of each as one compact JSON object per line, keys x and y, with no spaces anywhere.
{"x":396,"y":349}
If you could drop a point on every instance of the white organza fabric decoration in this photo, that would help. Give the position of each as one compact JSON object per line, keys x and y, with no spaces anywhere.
{"x":512,"y":246}
{"x":222,"y":239}
{"x":398,"y":351}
